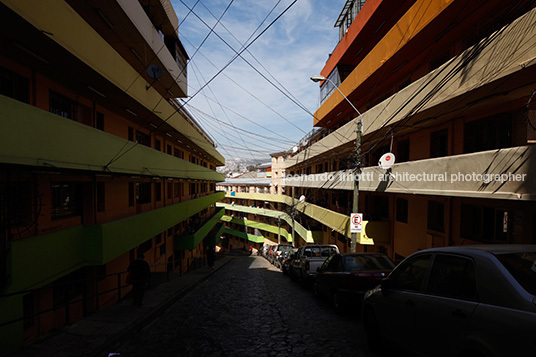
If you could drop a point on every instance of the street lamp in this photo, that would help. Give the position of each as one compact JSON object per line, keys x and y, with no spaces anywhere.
{"x":278,"y":223}
{"x":357,"y":169}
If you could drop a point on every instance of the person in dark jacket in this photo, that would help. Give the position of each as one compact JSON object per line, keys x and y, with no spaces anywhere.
{"x":139,"y":272}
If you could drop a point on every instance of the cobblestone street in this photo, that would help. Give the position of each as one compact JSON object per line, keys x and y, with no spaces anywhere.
{"x":249,"y":308}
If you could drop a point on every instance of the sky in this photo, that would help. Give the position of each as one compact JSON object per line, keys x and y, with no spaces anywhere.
{"x":239,"y":95}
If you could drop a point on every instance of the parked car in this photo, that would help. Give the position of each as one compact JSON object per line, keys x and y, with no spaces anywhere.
{"x":278,"y":250}
{"x":270,"y":253}
{"x":310,"y":257}
{"x":287,"y":261}
{"x":345,"y":278}
{"x":284,"y":257}
{"x":458,"y":301}
{"x":264,"y":250}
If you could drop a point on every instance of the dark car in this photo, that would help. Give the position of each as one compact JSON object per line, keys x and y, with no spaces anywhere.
{"x":286,"y":259}
{"x":458,"y":301}
{"x":345,"y":278}
{"x":278,"y":251}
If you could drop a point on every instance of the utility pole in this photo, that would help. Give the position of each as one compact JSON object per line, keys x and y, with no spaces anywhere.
{"x":357,"y":173}
{"x":279,"y":230}
{"x":357,"y":169}
{"x":292,"y":216}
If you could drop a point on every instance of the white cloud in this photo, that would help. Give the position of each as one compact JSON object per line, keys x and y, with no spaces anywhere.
{"x":294,"y":48}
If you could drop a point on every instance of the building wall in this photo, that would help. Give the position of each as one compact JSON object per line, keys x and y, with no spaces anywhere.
{"x":73,"y":212}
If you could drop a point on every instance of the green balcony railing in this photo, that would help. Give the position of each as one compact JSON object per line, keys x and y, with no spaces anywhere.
{"x":307,"y":235}
{"x":244,"y":235}
{"x":56,"y":254}
{"x":190,"y":241}
{"x":34,"y":137}
{"x":260,"y":226}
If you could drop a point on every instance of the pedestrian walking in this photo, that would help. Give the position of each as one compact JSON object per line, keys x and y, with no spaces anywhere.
{"x":210,"y":257}
{"x":138,"y":275}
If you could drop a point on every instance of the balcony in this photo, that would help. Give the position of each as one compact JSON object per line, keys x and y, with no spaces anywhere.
{"x":56,"y":254}
{"x":208,"y":228}
{"x":34,"y":137}
{"x":260,"y":226}
{"x":340,"y":223}
{"x":244,"y":235}
{"x":444,"y":90}
{"x":307,"y":235}
{"x":50,"y":34}
{"x":144,"y":35}
{"x":459,"y":176}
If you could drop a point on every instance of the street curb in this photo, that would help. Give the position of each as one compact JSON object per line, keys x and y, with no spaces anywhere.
{"x":115,"y":341}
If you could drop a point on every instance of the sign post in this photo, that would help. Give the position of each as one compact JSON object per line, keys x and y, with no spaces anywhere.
{"x":356,"y":222}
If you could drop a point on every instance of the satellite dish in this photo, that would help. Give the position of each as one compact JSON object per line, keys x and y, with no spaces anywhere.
{"x":155,"y":71}
{"x":302,"y":198}
{"x":294,"y":149}
{"x":387,"y":161}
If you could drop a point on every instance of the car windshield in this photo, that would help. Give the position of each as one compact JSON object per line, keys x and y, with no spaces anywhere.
{"x":285,"y":248}
{"x":522,"y":266}
{"x":319,"y":251}
{"x":368,"y":262}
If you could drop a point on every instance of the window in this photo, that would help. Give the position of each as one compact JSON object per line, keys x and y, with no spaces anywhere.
{"x":169,"y":149}
{"x":176,"y":189}
{"x":410,"y":276}
{"x":143,"y":192}
{"x":62,"y":106}
{"x":64,"y":200}
{"x":162,"y":249}
{"x":69,"y":287}
{"x":436,"y":216}
{"x":522,"y":268}
{"x":402,"y":153}
{"x":101,"y":197}
{"x":488,"y":133}
{"x":158,"y":239}
{"x":146,"y":246}
{"x":131,"y":194}
{"x":176,"y":152}
{"x":381,"y":206}
{"x":482,"y":223}
{"x":130,"y":133}
{"x":14,"y":86}
{"x":157,"y":191}
{"x":99,"y":121}
{"x":402,"y":210}
{"x":169,"y":189}
{"x":18,"y":202}
{"x":452,"y":277}
{"x":143,"y":139}
{"x":157,"y":144}
{"x":439,"y":143}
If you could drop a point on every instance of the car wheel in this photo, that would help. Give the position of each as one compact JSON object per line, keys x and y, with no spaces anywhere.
{"x":372,"y":329}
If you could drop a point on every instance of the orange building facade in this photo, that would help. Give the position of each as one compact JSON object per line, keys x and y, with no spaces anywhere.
{"x":447,"y":86}
{"x":99,"y":160}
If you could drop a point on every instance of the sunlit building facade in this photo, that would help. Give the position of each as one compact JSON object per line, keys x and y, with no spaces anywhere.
{"x":448,"y":87}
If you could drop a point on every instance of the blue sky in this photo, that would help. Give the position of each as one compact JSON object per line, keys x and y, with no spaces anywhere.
{"x":294,"y":48}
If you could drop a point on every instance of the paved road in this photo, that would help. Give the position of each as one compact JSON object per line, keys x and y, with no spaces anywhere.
{"x":249,"y":308}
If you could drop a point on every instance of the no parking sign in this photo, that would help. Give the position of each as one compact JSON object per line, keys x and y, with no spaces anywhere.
{"x":356,"y":222}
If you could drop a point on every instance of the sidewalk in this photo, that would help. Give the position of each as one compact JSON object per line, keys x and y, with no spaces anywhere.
{"x":97,"y":334}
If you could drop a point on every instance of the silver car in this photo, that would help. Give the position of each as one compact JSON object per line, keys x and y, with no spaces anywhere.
{"x":458,"y":301}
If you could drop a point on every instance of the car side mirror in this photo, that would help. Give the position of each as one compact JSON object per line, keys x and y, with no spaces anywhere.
{"x":385,"y":285}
